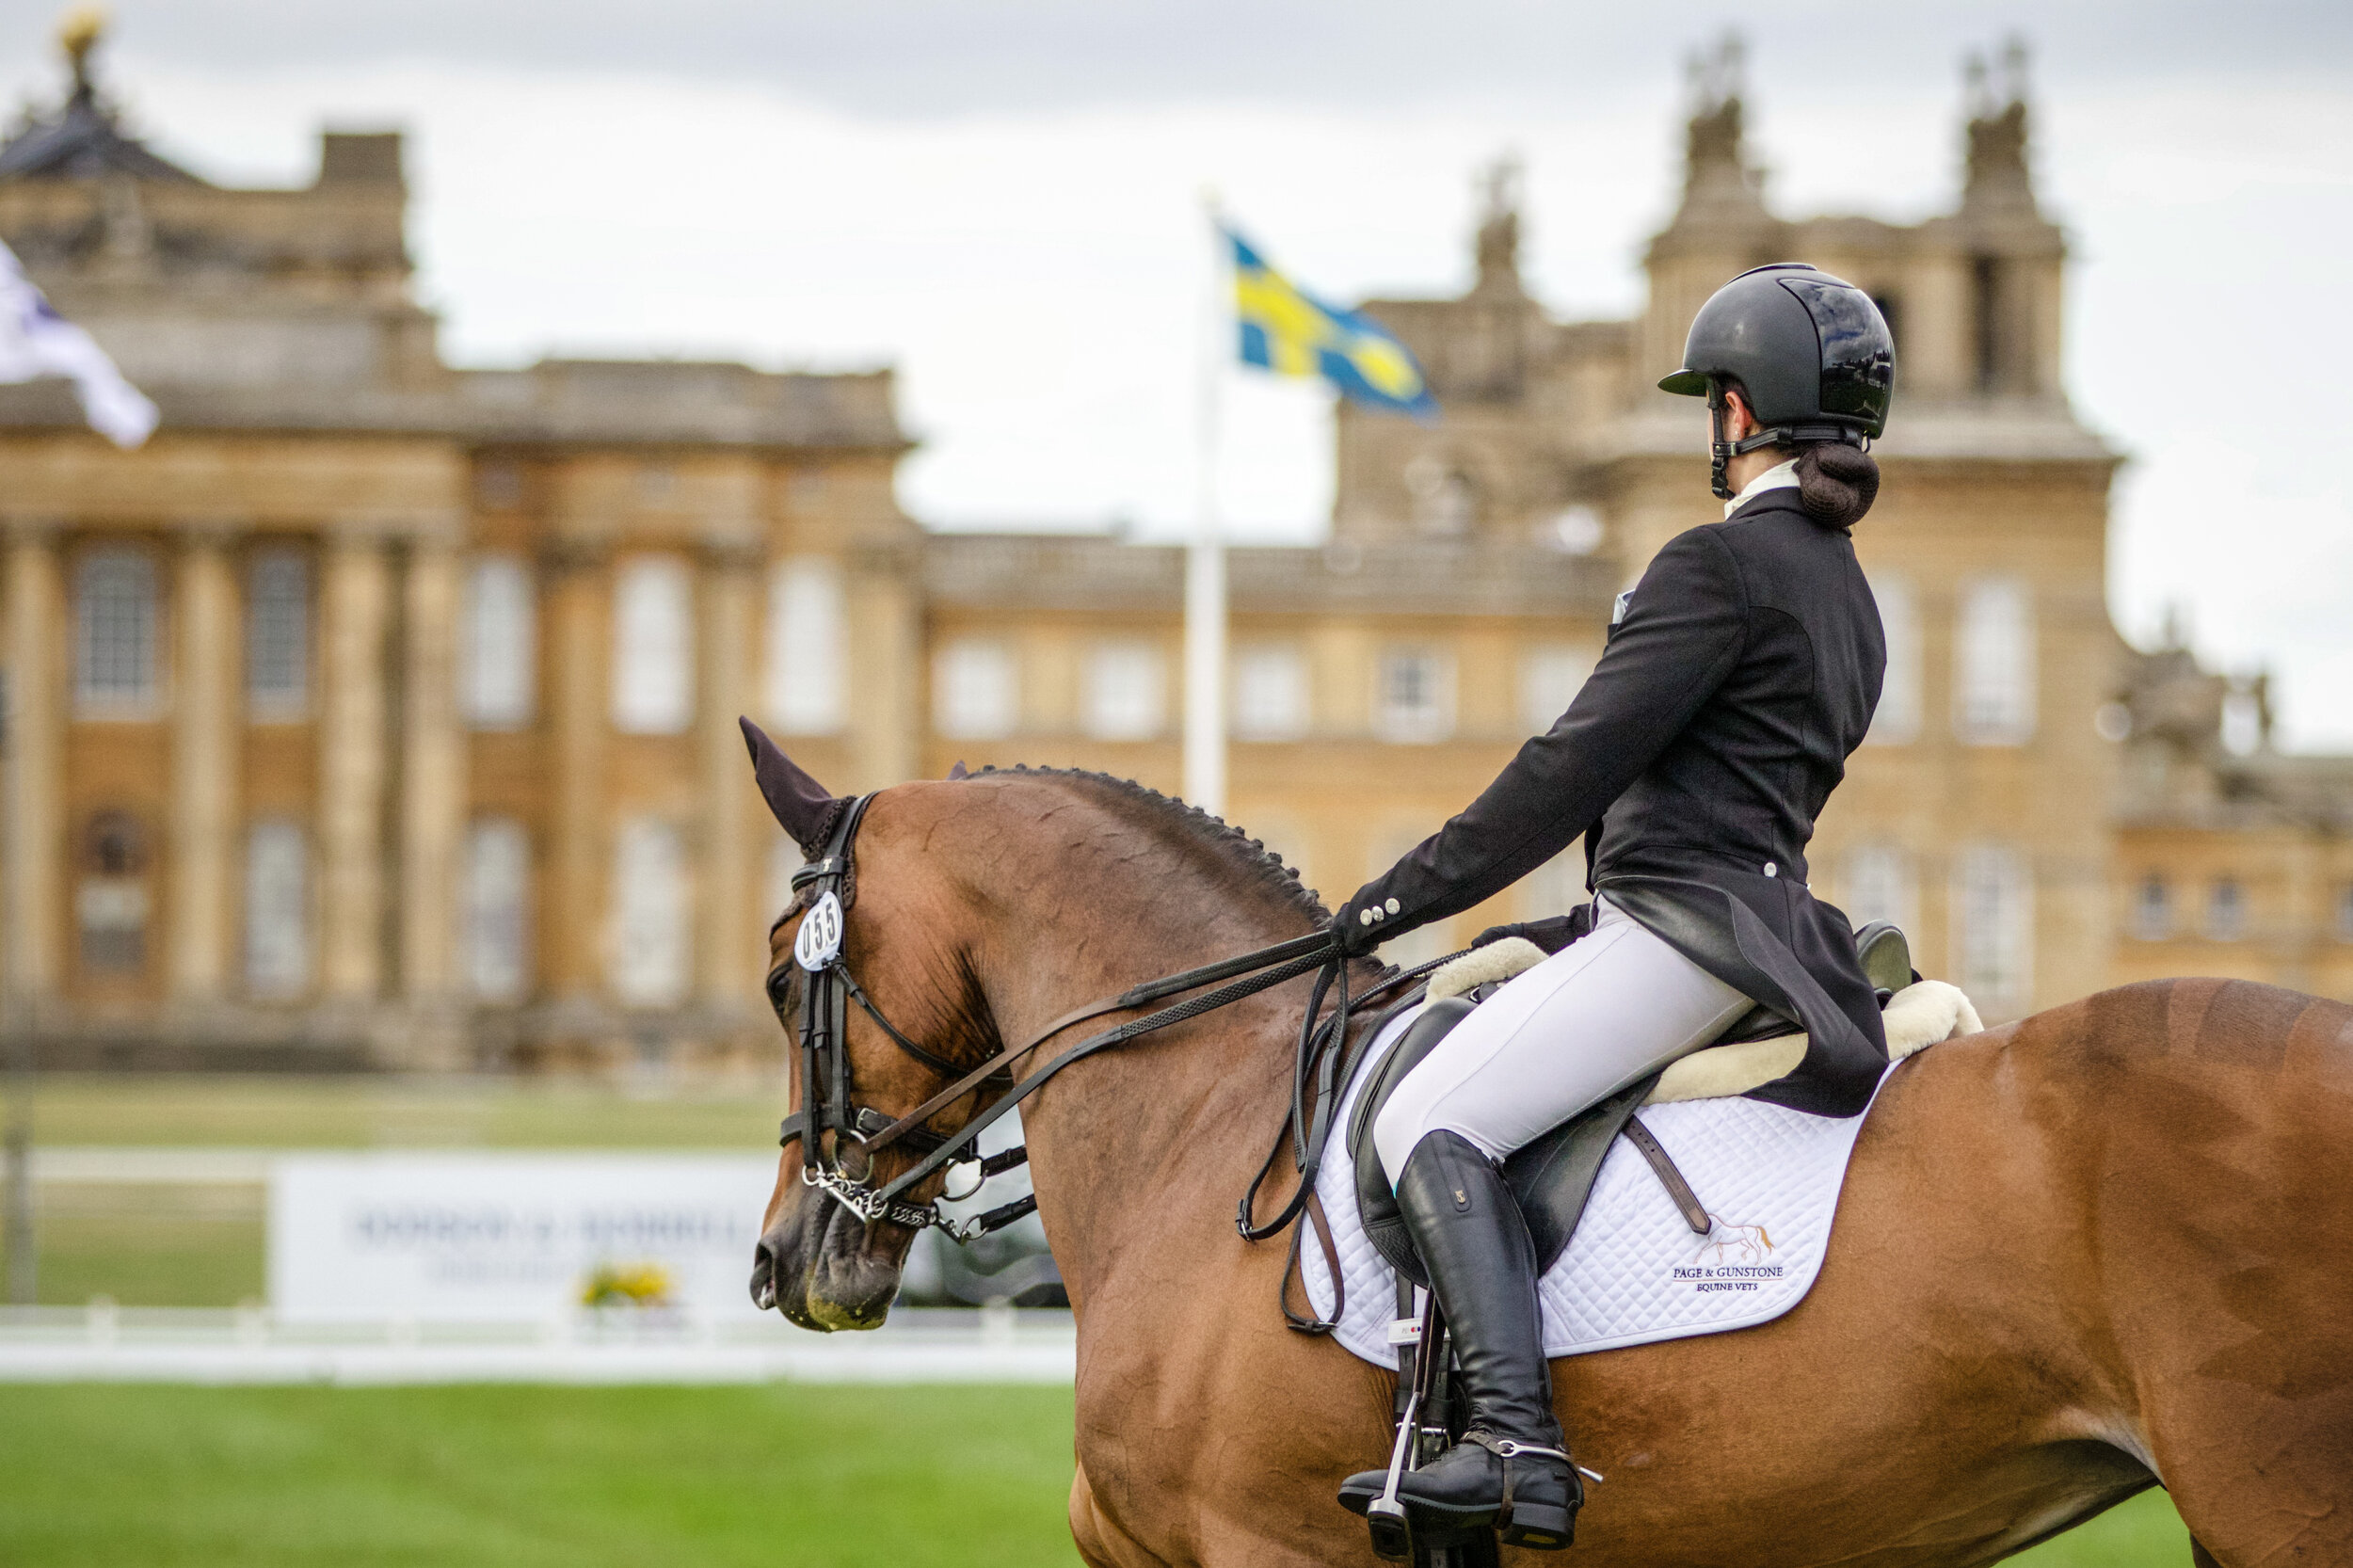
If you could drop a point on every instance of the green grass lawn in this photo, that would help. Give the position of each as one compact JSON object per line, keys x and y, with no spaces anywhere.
{"x":162,"y":1252}
{"x":150,"y":1244}
{"x":2143,"y":1533}
{"x":774,"y":1476}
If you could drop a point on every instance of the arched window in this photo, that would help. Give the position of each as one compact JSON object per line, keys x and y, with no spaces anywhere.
{"x":1993,"y":894}
{"x":498,"y":909}
{"x":1416,"y":697}
{"x":2226,"y":911}
{"x":1994,"y":682}
{"x":808,"y":647}
{"x":500,"y":664}
{"x":114,"y":664}
{"x":277,"y":636}
{"x":110,"y":904}
{"x":1270,"y":700}
{"x":653,"y":646}
{"x":276,"y":911}
{"x":1878,"y":884}
{"x":116,"y":845}
{"x":1550,"y":678}
{"x":2153,"y":908}
{"x":651,"y":915}
{"x":1897,"y":721}
{"x":976,"y":690}
{"x":1126,"y":696}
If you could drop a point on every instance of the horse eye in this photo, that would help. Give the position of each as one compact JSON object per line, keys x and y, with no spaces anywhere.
{"x":780,"y":988}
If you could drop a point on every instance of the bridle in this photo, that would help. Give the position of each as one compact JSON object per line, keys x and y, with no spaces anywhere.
{"x":826,"y":889}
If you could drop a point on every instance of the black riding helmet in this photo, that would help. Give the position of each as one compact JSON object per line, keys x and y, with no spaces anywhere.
{"x":1811,"y":353}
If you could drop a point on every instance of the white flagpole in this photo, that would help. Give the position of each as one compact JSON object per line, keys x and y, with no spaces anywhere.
{"x":1205,"y":559}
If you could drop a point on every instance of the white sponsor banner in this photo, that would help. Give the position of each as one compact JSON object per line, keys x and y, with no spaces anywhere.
{"x":512,"y":1238}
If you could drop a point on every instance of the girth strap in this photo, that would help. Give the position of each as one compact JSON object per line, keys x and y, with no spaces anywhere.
{"x":1663,"y":1166}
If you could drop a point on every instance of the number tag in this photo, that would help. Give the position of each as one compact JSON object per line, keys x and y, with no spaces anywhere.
{"x":820,"y":940}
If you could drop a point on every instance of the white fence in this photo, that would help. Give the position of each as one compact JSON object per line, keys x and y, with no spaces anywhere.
{"x":108,"y":1344}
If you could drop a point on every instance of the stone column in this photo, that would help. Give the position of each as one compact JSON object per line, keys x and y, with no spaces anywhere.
{"x":572,"y":904}
{"x":36,"y":757}
{"x":728,"y":956}
{"x":205,"y":731}
{"x":886,"y":666}
{"x":354,"y":603}
{"x":432,"y":765}
{"x":432,"y":796}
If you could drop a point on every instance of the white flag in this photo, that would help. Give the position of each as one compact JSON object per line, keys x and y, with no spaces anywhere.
{"x":36,"y":341}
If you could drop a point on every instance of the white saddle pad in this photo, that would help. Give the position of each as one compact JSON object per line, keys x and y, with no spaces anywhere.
{"x":1635,"y":1273}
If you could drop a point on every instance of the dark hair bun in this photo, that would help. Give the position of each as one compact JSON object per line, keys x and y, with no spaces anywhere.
{"x":1836,"y":484}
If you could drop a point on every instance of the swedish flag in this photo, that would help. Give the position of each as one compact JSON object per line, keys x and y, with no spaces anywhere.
{"x":1289,"y":332}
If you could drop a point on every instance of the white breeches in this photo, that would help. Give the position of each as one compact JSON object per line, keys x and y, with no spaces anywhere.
{"x":1597,"y":1015}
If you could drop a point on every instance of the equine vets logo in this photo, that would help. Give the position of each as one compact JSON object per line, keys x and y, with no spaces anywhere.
{"x":1731,"y":1257}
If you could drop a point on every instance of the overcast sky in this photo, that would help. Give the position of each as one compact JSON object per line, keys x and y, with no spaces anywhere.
{"x":1001,"y":200}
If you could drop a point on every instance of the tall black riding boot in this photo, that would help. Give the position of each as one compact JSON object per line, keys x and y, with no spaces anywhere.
{"x":1512,"y":1467}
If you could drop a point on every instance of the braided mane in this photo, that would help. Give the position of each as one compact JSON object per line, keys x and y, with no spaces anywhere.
{"x":1259,"y":867}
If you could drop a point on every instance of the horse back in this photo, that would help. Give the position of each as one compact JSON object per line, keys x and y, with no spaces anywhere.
{"x":2200,"y":1137}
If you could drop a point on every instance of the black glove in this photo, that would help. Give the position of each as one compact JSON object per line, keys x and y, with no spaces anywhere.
{"x":1551,"y":934}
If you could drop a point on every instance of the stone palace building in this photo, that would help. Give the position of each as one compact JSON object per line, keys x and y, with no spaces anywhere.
{"x":381,"y":713}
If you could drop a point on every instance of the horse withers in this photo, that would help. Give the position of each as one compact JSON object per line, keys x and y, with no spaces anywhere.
{"x":2078,"y":1257}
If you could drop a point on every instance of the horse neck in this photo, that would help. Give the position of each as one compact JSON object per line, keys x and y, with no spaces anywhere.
{"x":1169,"y":1120}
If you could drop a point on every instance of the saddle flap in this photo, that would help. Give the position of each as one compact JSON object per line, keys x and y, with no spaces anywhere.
{"x":1553,"y":1177}
{"x":1376,"y":1203}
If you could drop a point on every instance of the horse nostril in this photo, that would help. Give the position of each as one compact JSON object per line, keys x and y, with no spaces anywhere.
{"x":764,"y":1277}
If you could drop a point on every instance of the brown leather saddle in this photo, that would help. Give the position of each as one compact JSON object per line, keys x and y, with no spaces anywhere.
{"x":1553,"y":1177}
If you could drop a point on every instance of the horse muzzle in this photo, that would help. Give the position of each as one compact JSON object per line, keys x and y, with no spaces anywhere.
{"x":825,"y":1269}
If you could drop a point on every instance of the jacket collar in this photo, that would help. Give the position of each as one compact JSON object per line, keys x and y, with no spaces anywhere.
{"x":1782,"y":476}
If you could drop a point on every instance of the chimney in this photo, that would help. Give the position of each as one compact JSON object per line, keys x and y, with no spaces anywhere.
{"x":359,"y":158}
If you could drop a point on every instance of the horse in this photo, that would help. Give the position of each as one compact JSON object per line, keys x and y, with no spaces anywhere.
{"x":2104,"y":1248}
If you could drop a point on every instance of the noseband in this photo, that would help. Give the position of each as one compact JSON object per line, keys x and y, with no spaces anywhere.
{"x":826,"y":889}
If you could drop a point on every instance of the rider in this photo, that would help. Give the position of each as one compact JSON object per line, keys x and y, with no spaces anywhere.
{"x":1740,"y":672}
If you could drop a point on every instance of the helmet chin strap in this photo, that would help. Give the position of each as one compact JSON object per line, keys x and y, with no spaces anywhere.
{"x":1718,"y":449}
{"x":1722,"y":452}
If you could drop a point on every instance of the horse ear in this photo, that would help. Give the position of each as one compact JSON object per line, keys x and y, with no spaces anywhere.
{"x":800,"y":805}
{"x":958,"y":771}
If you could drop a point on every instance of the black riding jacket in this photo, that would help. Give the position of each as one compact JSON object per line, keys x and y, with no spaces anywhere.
{"x":1741,"y":672}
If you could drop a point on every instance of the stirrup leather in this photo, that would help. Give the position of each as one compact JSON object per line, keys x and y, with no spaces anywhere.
{"x":1504,"y":1448}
